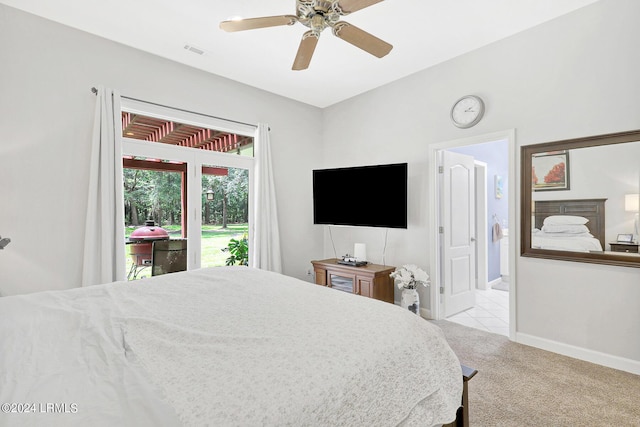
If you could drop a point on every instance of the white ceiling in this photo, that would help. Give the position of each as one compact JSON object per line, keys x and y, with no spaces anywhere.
{"x":423,"y":33}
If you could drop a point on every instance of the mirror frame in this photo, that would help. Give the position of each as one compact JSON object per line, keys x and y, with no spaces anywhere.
{"x":527,"y":151}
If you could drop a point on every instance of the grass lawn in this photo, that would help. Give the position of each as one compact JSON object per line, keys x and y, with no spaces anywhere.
{"x":214,"y":240}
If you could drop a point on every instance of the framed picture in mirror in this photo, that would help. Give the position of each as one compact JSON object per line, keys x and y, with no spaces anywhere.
{"x":550,"y":171}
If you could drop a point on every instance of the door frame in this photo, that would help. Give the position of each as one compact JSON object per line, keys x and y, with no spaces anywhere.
{"x":481,"y":225}
{"x":435,"y":310}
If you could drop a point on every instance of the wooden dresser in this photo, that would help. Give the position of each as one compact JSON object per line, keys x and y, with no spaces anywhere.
{"x":371,"y":280}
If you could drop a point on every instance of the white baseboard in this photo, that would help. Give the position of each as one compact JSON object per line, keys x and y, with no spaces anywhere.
{"x":424,"y":312}
{"x":608,"y":360}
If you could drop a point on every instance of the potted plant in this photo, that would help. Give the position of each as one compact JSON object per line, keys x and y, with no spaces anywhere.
{"x":239,"y":249}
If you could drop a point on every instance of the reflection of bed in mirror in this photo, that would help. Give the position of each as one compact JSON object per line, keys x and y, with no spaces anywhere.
{"x":592,"y":240}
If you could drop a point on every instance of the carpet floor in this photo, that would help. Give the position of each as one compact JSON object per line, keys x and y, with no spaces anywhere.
{"x":519,"y":385}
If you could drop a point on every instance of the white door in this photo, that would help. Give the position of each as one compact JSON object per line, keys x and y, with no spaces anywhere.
{"x":457,"y":228}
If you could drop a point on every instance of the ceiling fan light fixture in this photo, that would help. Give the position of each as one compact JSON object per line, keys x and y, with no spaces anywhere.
{"x":317,"y":23}
{"x":318,"y":15}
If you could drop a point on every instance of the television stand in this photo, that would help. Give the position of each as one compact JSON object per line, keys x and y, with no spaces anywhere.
{"x":371,"y":280}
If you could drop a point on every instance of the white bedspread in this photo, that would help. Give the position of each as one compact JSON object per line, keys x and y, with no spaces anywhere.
{"x":222,"y":346}
{"x":542,"y":240}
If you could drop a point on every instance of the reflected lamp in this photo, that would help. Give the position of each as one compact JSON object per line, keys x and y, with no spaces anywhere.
{"x":632,"y":204}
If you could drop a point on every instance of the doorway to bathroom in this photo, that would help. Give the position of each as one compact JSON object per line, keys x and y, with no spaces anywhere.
{"x":492,"y":306}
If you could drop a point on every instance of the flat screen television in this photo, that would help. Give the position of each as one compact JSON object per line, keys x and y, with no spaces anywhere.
{"x":369,"y":196}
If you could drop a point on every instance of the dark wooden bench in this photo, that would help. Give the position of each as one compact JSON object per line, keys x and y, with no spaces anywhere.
{"x":462,"y":416}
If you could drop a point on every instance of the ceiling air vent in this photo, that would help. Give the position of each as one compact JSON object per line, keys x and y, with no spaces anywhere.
{"x":194,"y":49}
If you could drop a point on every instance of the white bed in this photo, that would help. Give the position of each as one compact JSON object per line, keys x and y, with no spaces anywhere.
{"x":223,"y":346}
{"x":559,"y":235}
{"x":568,"y":242}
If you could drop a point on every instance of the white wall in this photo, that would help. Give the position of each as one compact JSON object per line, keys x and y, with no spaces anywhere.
{"x":46,"y":119}
{"x":574,"y":76}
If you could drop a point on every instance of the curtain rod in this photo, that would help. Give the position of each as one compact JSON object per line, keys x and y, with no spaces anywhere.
{"x":95,"y":92}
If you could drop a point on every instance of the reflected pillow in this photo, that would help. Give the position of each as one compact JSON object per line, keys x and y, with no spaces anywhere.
{"x":565,"y":219}
{"x":567,"y":229}
{"x":563,"y":235}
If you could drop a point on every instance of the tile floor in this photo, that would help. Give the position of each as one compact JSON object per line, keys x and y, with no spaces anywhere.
{"x":491,"y":312}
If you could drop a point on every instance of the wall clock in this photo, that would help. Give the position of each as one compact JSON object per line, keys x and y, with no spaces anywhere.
{"x":467,"y":111}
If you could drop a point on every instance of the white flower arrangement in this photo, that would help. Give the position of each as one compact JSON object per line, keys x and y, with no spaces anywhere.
{"x":409,"y":276}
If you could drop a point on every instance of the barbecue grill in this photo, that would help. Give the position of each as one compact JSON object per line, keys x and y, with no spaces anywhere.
{"x":141,"y":241}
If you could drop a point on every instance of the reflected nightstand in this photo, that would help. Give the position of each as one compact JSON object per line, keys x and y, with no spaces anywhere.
{"x":624,"y":247}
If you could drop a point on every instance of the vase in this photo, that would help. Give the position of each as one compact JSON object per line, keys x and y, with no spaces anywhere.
{"x":411,"y":300}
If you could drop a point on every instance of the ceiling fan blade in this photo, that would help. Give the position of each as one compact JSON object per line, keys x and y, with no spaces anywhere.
{"x":254,"y":23}
{"x":360,"y":38}
{"x":305,"y":51}
{"x":349,"y":6}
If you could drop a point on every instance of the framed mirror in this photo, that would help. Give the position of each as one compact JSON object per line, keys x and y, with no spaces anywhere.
{"x":579,"y":196}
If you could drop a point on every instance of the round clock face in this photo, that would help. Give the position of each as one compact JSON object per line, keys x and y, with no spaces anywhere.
{"x":467,"y":111}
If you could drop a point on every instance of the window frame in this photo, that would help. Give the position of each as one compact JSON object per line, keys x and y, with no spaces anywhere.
{"x":194,"y":159}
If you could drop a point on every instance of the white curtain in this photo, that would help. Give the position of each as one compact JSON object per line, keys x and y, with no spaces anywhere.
{"x":104,"y":254}
{"x":265,"y":248}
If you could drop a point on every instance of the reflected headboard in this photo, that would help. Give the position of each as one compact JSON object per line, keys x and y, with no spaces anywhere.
{"x":592,"y":209}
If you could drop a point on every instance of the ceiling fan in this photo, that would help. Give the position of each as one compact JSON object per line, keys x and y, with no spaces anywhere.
{"x":318,"y":15}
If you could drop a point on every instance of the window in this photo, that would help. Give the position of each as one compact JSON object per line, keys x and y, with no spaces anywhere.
{"x":172,"y":161}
